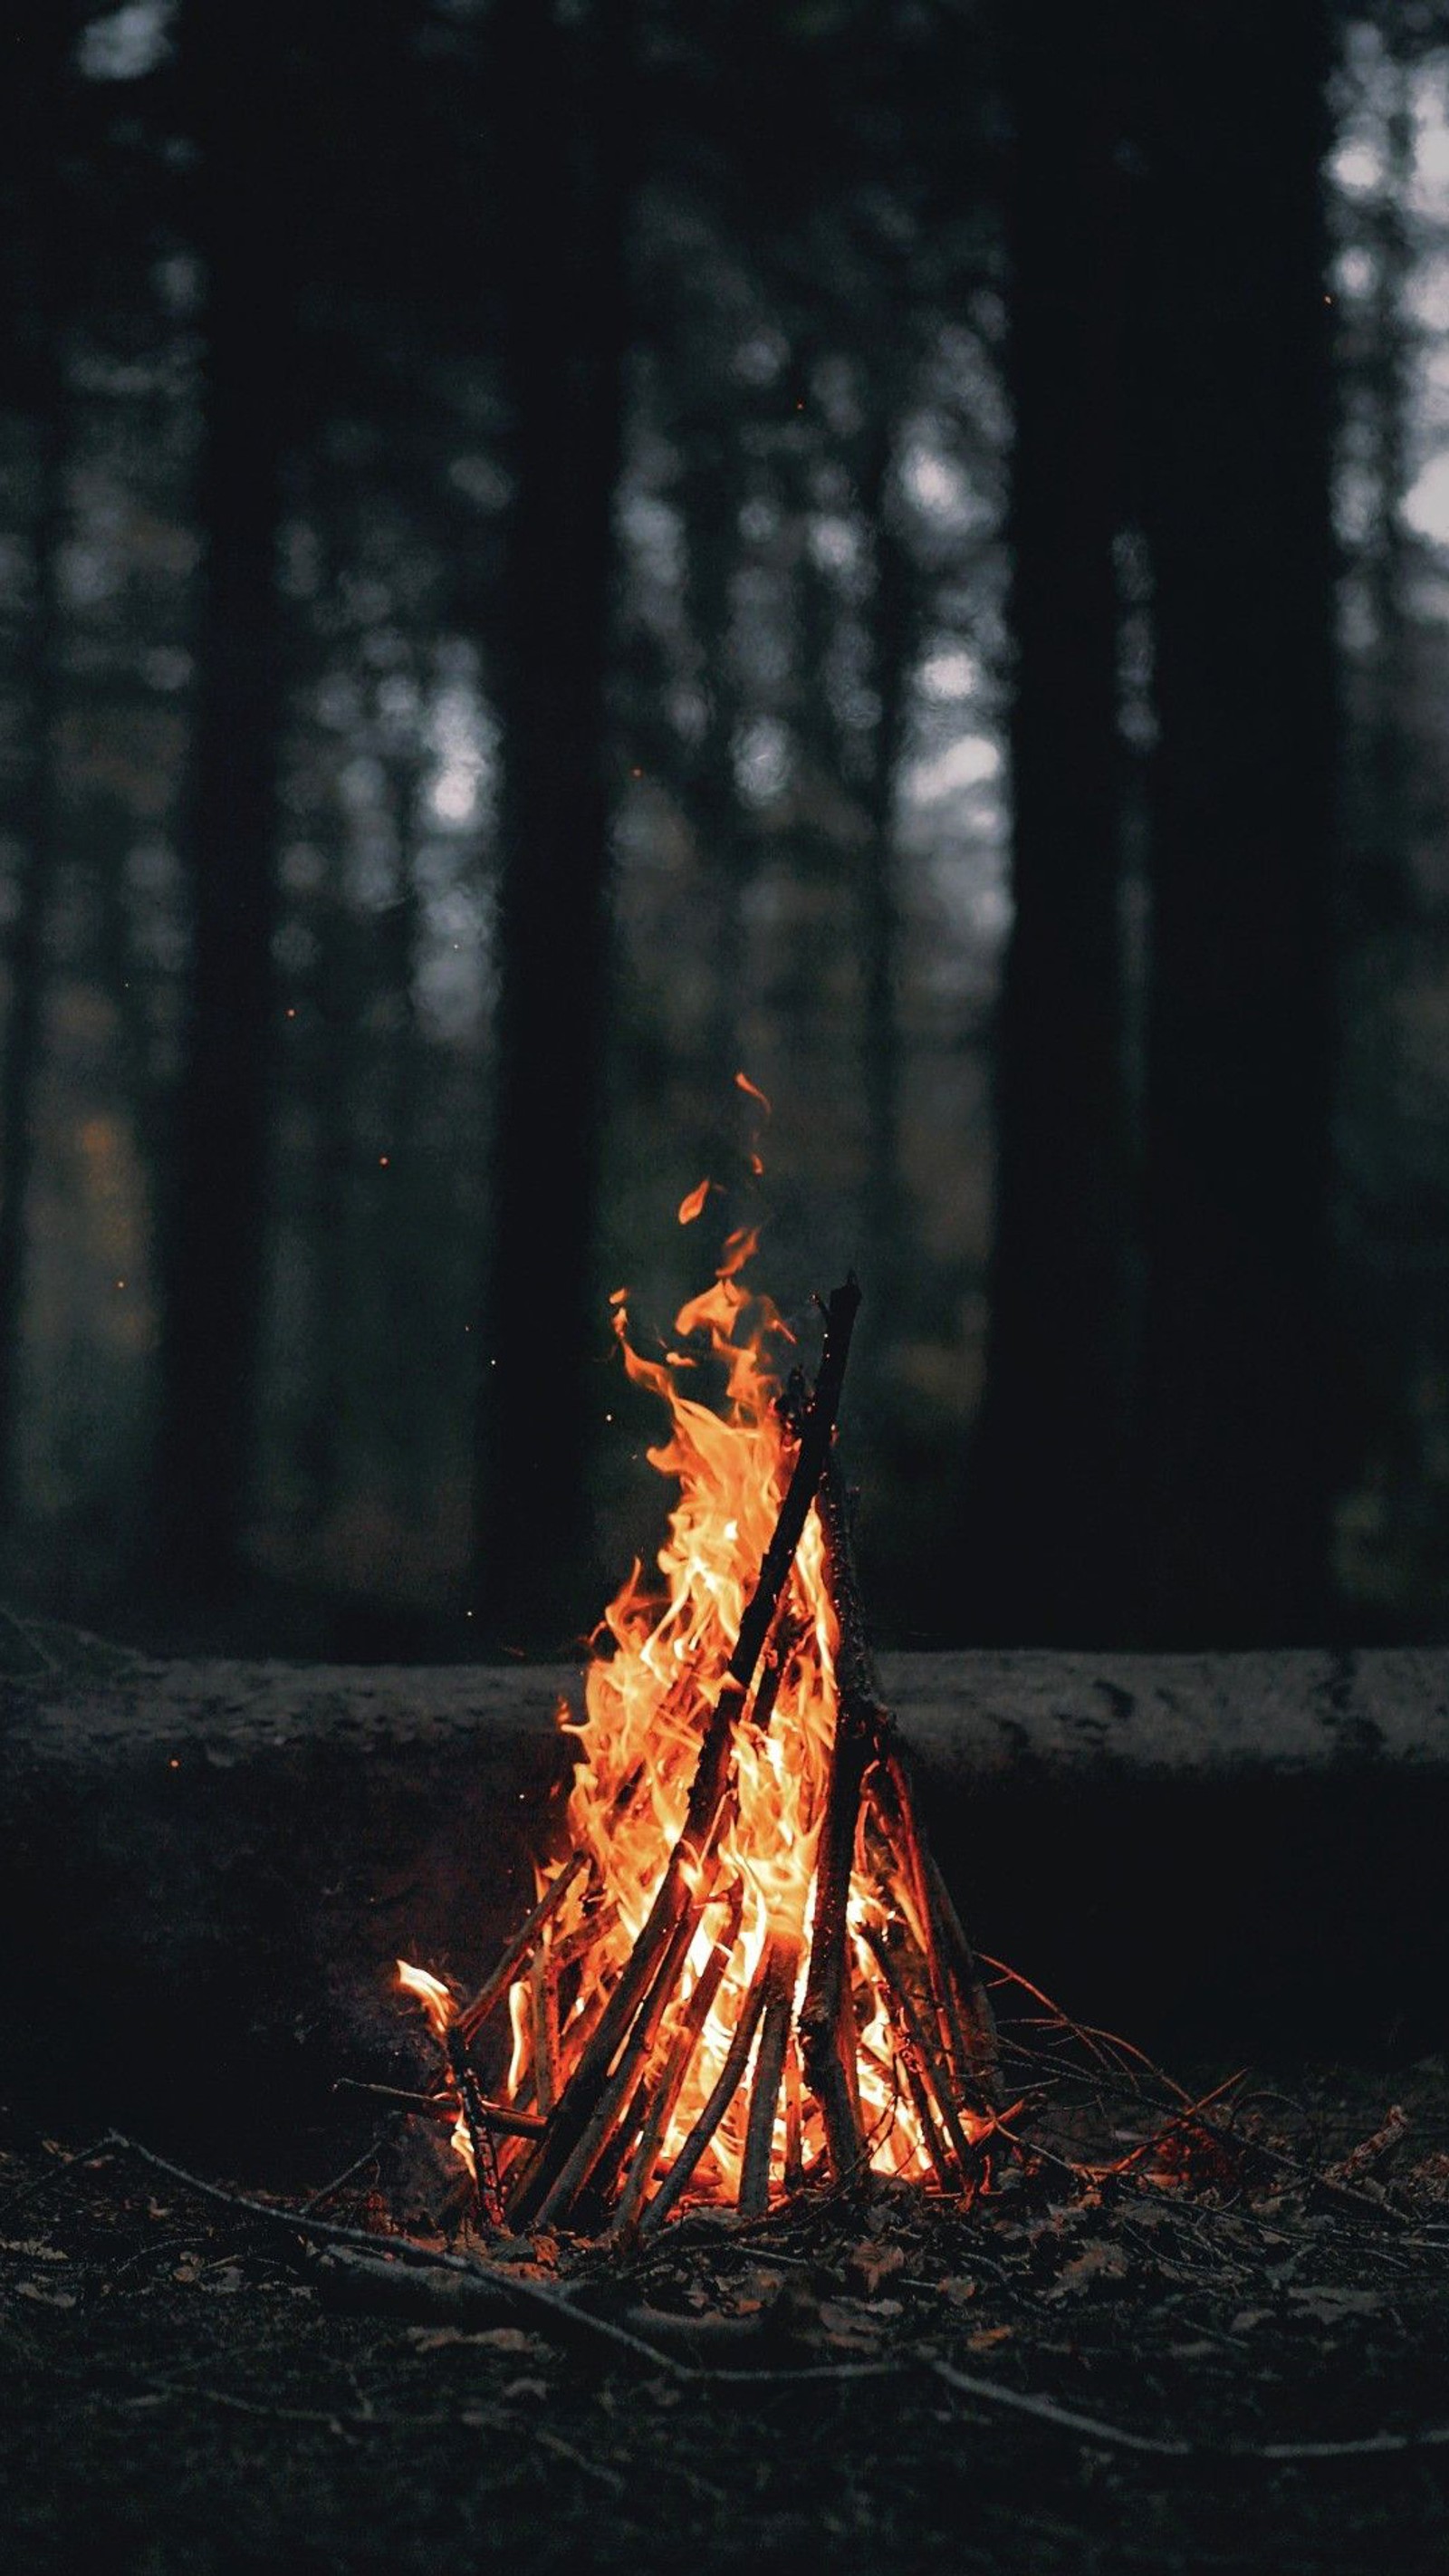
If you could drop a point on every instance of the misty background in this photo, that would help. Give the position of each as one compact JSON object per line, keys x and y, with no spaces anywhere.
{"x":553,"y":550}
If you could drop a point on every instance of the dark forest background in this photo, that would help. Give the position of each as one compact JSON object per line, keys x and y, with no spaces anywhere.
{"x":554,"y":549}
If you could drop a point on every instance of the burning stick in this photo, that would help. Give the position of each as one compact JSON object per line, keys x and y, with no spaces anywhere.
{"x":727,"y":2085}
{"x":958,"y":2000}
{"x":925,"y":2074}
{"x":480,"y":2136}
{"x":782,"y":1964}
{"x":505,"y":1968}
{"x":661,"y":2109}
{"x":825,"y":2039}
{"x":543,"y":2012}
{"x":569,"y":2182}
{"x":503,"y":2116}
{"x":794,"y":2131}
{"x":979,"y":2036}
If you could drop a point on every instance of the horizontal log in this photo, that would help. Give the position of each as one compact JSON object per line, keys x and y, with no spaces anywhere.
{"x":210,"y":1867}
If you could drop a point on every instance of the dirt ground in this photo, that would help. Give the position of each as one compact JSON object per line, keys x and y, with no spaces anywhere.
{"x":871,"y":2380}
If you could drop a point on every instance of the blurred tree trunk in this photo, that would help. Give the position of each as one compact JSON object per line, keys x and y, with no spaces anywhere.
{"x":234,"y":65}
{"x":565,"y":106}
{"x":338,"y":994}
{"x":1234,"y":1487}
{"x":893,"y":621}
{"x":1384,"y":885}
{"x":1043,"y":1551}
{"x":36,"y":820}
{"x":34,"y":133}
{"x":712,"y":497}
{"x":409,"y":1299}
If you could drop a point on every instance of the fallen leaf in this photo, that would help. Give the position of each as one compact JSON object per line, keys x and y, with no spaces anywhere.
{"x":33,"y":2251}
{"x":1095,"y":2262}
{"x":1359,"y":2163}
{"x":849,"y":2323}
{"x":488,"y":2338}
{"x":46,"y":2298}
{"x":1327,"y":2304}
{"x":871,"y":2263}
{"x":958,"y":2290}
{"x":985,"y":2336}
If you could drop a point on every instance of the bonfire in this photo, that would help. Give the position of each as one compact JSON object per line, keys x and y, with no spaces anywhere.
{"x":743,"y":1976}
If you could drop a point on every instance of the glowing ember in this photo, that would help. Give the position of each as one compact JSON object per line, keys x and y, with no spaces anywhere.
{"x":747,"y":1902}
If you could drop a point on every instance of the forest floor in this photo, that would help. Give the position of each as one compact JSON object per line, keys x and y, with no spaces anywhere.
{"x":870,"y":2380}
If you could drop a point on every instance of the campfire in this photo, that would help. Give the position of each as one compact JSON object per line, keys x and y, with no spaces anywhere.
{"x":744,"y":1976}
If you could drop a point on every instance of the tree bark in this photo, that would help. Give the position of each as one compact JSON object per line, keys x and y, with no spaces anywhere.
{"x":564,"y":119}
{"x":1233,"y":1484}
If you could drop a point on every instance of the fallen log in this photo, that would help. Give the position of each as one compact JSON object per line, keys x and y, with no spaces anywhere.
{"x":1220,"y":1853}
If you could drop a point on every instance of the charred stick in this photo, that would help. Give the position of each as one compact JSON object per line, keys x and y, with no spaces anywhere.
{"x":949,"y":2025}
{"x":626,"y":1793}
{"x":671,"y":2084}
{"x":543,"y":2015}
{"x":516,"y":1949}
{"x":958,"y":1999}
{"x":480,"y":2136}
{"x":824,"y":2038}
{"x":575,"y":2034}
{"x":855,"y":1672}
{"x":810,"y":1459}
{"x":566,"y":1954}
{"x":633,"y":2063}
{"x":712,"y":1771}
{"x":727,"y":2085}
{"x":932,"y":2073}
{"x":436,"y":2106}
{"x":891,"y":1802}
{"x":794,"y":2122}
{"x":622,"y":2136}
{"x":907,"y":2063}
{"x":786,"y":1636}
{"x":827,"y":2037}
{"x":850,"y":2053}
{"x":780,"y":1973}
{"x":966,"y":1974}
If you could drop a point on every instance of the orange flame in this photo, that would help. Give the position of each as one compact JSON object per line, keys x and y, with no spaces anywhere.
{"x":692,"y":1204}
{"x":432,"y":1994}
{"x":660,"y":1658}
